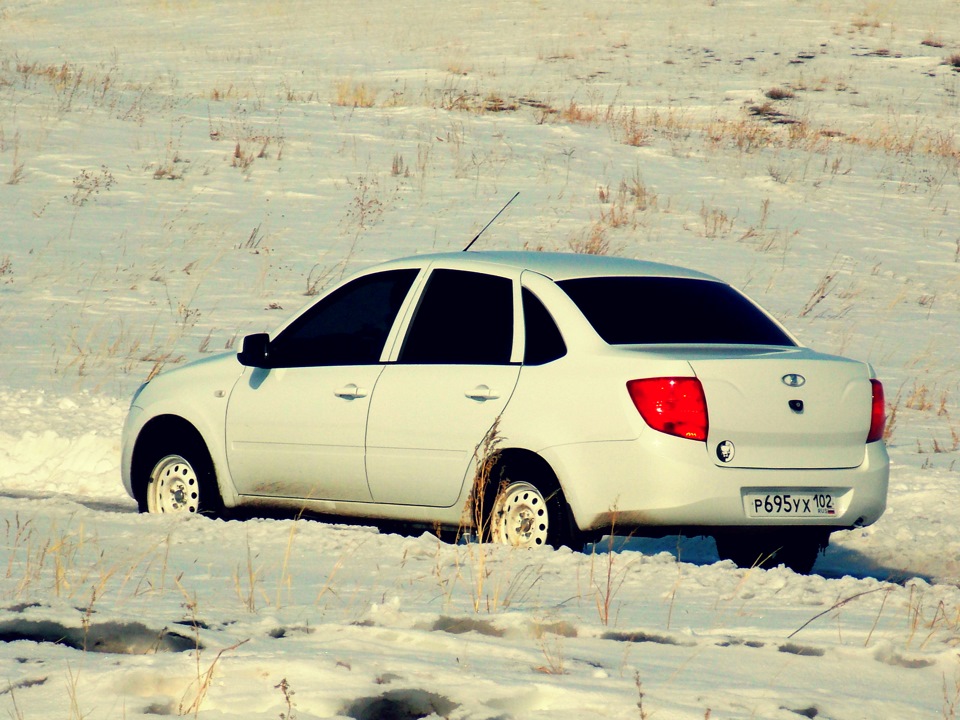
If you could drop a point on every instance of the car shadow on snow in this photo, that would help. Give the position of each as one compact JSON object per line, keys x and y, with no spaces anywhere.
{"x":835,"y":563}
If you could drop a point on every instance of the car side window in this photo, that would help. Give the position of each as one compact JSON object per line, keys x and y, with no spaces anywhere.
{"x":349,"y":326}
{"x":463,"y":318}
{"x":543,"y":343}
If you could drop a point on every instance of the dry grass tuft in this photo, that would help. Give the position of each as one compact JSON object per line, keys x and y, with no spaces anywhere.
{"x":864,"y":24}
{"x":579,"y":114}
{"x":351,"y":94}
{"x":919,"y":398}
{"x":716,"y":222}
{"x":17,"y":173}
{"x":621,"y":208}
{"x":219,"y":95}
{"x":779,"y":93}
{"x":629,"y":128}
{"x":592,"y":241}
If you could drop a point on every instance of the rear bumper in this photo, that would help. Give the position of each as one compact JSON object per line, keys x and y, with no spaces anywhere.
{"x":665,"y":482}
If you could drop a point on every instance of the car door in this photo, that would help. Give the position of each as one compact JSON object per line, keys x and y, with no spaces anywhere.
{"x":296,"y":429}
{"x":452,"y":377}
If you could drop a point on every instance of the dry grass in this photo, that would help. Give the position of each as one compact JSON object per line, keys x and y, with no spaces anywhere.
{"x":607,"y":580}
{"x":251,"y":140}
{"x":759,"y":127}
{"x":577,"y":114}
{"x":221,"y":95}
{"x":71,"y":82}
{"x":480,"y":506}
{"x":864,"y":24}
{"x":630,"y":130}
{"x":918,"y":399}
{"x":745,"y":135}
{"x":893,"y":408}
{"x":821,"y":291}
{"x":552,"y":647}
{"x":779,"y":93}
{"x":89,"y":184}
{"x":716,"y":222}
{"x":17,"y":171}
{"x":592,"y":241}
{"x":348,"y":93}
{"x":398,"y":167}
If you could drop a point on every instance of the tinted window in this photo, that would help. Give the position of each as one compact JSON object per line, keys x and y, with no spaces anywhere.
{"x":649,"y":310}
{"x":348,"y":327}
{"x":543,"y":343}
{"x":463,"y":318}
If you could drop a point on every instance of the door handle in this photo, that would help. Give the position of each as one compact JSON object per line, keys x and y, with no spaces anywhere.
{"x":350,"y":392}
{"x":482,"y":392}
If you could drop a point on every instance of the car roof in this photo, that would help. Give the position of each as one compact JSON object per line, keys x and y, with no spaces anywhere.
{"x":555,"y":265}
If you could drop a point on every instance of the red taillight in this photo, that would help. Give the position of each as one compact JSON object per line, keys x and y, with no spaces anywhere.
{"x":878,"y":413}
{"x":675,"y":406}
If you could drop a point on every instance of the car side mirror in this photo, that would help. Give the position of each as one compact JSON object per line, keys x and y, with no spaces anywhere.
{"x":255,"y":351}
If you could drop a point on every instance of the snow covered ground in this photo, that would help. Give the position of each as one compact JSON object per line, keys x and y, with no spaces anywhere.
{"x":175,"y":174}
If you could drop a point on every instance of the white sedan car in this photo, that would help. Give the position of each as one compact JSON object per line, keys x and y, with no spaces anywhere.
{"x":532,"y":398}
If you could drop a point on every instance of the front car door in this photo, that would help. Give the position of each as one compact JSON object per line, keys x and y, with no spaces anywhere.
{"x":296,"y":430}
{"x":452,"y":377}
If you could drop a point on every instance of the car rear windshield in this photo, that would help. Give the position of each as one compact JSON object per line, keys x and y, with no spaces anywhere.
{"x":665,"y":310}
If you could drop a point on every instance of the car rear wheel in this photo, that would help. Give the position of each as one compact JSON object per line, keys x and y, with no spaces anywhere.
{"x":183,"y":482}
{"x":531,"y":511}
{"x":797,"y":550}
{"x":520,"y":516}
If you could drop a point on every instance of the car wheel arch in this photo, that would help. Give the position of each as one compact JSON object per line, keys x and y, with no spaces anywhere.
{"x":521,"y":460}
{"x":153,"y":437}
{"x":519,"y":464}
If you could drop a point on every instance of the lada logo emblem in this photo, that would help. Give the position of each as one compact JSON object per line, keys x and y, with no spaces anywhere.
{"x":793,"y":380}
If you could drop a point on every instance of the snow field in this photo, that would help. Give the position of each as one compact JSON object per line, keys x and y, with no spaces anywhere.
{"x":177,"y":174}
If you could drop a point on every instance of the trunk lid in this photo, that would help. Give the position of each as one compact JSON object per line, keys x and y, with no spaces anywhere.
{"x":782,"y":407}
{"x":785,"y":408}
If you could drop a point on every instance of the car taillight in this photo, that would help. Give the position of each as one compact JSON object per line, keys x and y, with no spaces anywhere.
{"x":672,"y":405}
{"x":878,"y":413}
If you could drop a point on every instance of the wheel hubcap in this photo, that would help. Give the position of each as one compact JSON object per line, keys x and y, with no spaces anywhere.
{"x":173,"y":487}
{"x":520,"y":517}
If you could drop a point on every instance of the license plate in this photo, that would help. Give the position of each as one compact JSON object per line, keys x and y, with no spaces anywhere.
{"x":793,"y":504}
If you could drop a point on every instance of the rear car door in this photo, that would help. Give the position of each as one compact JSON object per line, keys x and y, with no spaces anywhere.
{"x":297,"y":430}
{"x":453,"y":375}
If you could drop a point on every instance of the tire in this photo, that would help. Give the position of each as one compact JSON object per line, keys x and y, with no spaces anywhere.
{"x":182,"y":481}
{"x":529,"y":510}
{"x":796,"y":550}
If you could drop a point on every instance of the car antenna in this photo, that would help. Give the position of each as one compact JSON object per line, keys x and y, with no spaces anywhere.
{"x":477,"y":236}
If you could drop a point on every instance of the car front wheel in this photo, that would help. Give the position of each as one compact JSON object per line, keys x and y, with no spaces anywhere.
{"x":183,"y":482}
